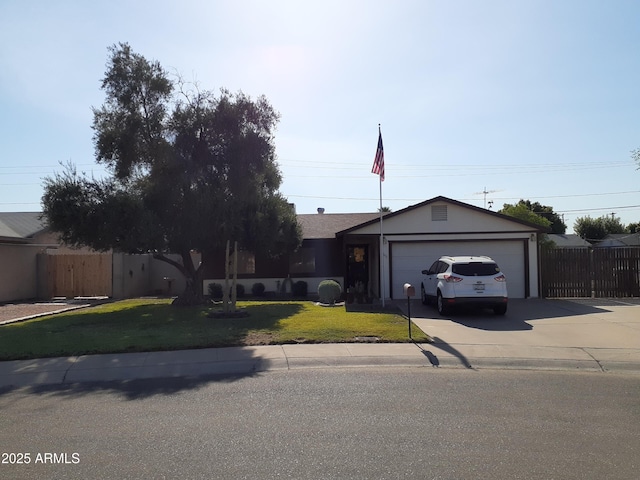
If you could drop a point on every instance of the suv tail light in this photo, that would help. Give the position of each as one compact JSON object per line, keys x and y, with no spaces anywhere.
{"x":452,"y":279}
{"x":500,"y":278}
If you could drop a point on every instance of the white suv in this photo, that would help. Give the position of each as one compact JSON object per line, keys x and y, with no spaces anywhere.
{"x":454,"y":281}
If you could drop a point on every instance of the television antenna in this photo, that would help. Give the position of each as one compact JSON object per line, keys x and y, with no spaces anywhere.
{"x":485,"y":192}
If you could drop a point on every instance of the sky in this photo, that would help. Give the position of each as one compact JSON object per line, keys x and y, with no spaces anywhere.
{"x":526,"y":99}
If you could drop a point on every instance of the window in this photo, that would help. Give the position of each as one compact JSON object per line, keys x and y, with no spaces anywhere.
{"x":303,"y":261}
{"x":475,"y":269}
{"x":433,"y":268}
{"x":246,"y":262}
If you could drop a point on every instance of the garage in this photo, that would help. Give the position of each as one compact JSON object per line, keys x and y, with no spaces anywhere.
{"x":408,"y":259}
{"x":410,"y":240}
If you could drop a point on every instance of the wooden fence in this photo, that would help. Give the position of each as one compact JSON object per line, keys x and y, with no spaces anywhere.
{"x":75,"y":275}
{"x":584,"y":272}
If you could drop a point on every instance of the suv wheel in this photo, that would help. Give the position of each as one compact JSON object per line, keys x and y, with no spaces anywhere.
{"x":442,"y":307}
{"x":500,"y":309}
{"x":423,"y":295}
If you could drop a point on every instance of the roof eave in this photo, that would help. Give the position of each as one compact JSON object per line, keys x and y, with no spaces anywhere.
{"x":440,"y":198}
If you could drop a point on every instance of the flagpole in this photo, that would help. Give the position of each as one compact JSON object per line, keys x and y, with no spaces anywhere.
{"x":378,"y":169}
{"x":382,"y":289}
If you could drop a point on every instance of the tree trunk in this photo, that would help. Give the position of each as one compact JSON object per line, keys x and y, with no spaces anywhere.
{"x":234,"y":283}
{"x":192,"y":294}
{"x":225,"y":288}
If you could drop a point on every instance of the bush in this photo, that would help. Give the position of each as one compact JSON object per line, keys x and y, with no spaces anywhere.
{"x":215,"y":291}
{"x":299,"y":289}
{"x":258,"y":289}
{"x":239,"y":290}
{"x":329,"y":291}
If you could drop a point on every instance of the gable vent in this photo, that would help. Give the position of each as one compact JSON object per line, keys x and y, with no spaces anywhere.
{"x":438,"y":213}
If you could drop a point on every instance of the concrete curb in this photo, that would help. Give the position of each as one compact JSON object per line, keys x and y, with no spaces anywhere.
{"x":253,"y":360}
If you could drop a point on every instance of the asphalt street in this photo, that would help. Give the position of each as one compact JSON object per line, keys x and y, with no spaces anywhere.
{"x":330,"y":423}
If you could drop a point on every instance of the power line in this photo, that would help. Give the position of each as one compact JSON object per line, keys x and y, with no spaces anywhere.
{"x":452,"y":171}
{"x":469,"y":199}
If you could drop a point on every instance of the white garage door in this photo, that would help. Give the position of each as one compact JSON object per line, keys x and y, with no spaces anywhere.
{"x":409,"y":259}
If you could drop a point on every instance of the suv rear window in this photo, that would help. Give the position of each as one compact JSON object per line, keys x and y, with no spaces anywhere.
{"x":475,"y":269}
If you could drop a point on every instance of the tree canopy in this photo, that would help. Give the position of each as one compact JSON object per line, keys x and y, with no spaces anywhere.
{"x":535,"y":213}
{"x":635,"y":154}
{"x":597,"y":228}
{"x":189,"y":170}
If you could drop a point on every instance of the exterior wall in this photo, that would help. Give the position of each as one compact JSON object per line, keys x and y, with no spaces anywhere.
{"x":139,"y":275}
{"x":55,"y":247}
{"x":18,"y":274}
{"x":130,"y":275}
{"x":459,"y":219}
{"x":272,"y":272}
{"x":276,"y":285}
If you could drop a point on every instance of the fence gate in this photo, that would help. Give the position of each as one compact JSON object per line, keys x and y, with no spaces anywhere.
{"x":598,"y":272}
{"x":77,"y":275}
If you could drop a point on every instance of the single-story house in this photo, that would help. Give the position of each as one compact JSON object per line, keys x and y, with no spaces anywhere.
{"x":568,"y":240}
{"x":346,"y":247}
{"x":34,"y":264}
{"x":22,"y":236}
{"x":619,"y":240}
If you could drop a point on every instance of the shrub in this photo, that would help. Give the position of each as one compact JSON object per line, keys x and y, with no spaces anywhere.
{"x":258,"y":289}
{"x":239,"y":290}
{"x":329,"y":291}
{"x":215,"y":291}
{"x":299,"y":289}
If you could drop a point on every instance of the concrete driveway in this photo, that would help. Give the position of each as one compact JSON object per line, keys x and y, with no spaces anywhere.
{"x":607,"y":330}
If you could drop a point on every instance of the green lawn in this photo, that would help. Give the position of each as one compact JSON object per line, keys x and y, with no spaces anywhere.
{"x":142,"y":325}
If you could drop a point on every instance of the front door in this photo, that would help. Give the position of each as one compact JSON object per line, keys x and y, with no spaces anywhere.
{"x":358,"y":269}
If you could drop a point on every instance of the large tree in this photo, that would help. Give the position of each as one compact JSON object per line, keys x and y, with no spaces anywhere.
{"x":189,"y":170}
{"x":635,"y":154}
{"x":535,"y":213}
{"x":597,"y":228}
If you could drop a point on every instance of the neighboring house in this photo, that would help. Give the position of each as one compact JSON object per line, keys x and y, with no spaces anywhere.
{"x":34,"y":264}
{"x":22,"y":237}
{"x":346,"y":247}
{"x":619,"y":240}
{"x":21,"y":227}
{"x":570,"y":240}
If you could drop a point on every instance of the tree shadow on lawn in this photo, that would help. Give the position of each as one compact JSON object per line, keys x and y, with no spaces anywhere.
{"x":196,"y":367}
{"x":141,"y":328}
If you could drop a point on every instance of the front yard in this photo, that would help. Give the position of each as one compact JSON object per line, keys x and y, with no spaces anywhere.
{"x":142,"y":325}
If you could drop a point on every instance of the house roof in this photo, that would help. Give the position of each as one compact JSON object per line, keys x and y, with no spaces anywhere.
{"x":453,"y":202}
{"x":326,"y":225}
{"x":570,"y":240}
{"x":620,"y":240}
{"x":20,"y":225}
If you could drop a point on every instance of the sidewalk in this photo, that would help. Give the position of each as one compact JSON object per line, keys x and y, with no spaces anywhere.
{"x":251,"y":360}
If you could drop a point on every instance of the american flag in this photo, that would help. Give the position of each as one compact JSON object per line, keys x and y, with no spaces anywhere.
{"x":378,"y":162}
